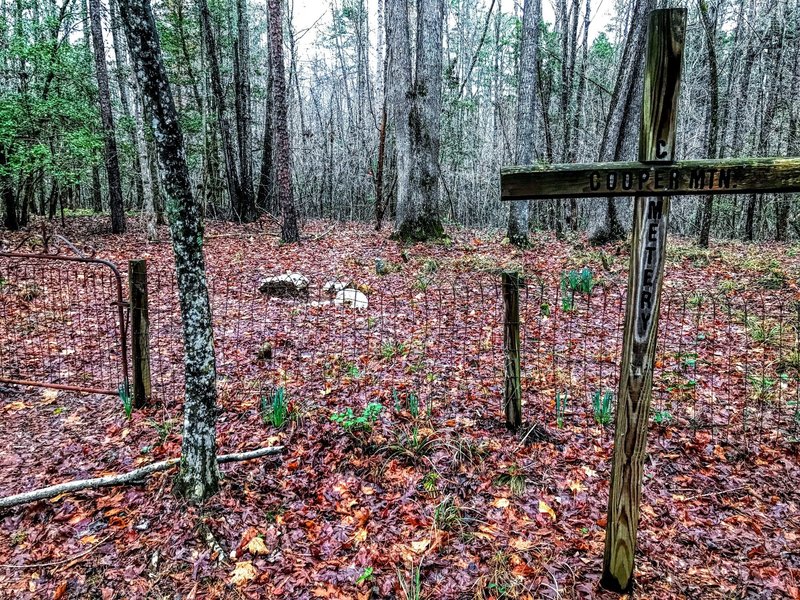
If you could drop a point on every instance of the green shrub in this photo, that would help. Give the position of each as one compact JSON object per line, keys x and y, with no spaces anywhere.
{"x":662,"y":417}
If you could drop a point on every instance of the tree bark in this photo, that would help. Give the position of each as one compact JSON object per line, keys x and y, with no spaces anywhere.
{"x":266,"y":181}
{"x":783,"y":204}
{"x":527,"y":108}
{"x":111,"y":158}
{"x":144,"y":183}
{"x":290,"y":231}
{"x":228,"y":151}
{"x":418,"y":211}
{"x":398,"y":90}
{"x":243,"y":121}
{"x":710,"y":30}
{"x":198,"y":478}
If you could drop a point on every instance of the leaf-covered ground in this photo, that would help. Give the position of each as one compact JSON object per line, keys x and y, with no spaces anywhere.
{"x":447,"y":495}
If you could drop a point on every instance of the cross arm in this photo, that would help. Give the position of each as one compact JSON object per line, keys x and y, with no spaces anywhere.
{"x":686,"y":177}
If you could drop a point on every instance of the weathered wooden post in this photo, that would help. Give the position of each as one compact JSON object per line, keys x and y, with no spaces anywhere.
{"x":665,"y":38}
{"x":512,"y":397}
{"x":140,"y":332}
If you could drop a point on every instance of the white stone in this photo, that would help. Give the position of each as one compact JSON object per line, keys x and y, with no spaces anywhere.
{"x":334,"y":287}
{"x":352,"y":298}
{"x":288,"y":284}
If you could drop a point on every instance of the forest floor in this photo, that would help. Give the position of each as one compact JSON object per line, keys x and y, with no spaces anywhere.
{"x":446,"y":499}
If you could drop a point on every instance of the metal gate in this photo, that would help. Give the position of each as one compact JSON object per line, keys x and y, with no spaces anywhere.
{"x":63,"y":320}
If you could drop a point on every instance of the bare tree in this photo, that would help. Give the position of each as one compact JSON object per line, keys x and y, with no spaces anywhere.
{"x":290,"y":231}
{"x":527,"y":108}
{"x":241,"y":55}
{"x":144,"y":183}
{"x":107,"y":117}
{"x":622,"y":122}
{"x":417,"y":103}
{"x":228,"y":150}
{"x":709,"y":22}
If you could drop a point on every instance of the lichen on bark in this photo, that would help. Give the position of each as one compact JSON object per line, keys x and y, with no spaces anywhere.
{"x":198,"y":477}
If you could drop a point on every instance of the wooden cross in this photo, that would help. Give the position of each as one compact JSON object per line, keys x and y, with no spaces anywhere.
{"x":651,"y":181}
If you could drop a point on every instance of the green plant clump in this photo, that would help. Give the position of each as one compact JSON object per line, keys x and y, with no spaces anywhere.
{"x":561,"y":408}
{"x":127,"y":401}
{"x":275,"y":410}
{"x":349,"y":421}
{"x":602,"y":407}
{"x":579,"y":282}
{"x":662,"y":417}
{"x":392,"y":349}
{"x":514,"y":478}
{"x":575,"y":282}
{"x":365,"y":576}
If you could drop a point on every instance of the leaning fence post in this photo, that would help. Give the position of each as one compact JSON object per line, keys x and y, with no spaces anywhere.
{"x":140,"y":332}
{"x":512,"y":398}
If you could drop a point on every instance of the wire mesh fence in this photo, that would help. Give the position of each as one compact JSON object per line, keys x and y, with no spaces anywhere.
{"x":61,"y":323}
{"x":726,"y":364}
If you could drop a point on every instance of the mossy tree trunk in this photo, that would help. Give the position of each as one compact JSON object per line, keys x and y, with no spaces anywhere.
{"x":418,"y":116}
{"x":198,"y":478}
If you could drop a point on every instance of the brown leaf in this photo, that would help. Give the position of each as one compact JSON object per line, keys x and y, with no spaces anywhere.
{"x":61,"y":591}
{"x":243,"y":573}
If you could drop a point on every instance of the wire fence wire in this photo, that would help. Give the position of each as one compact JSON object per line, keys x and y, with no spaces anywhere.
{"x":60,"y":324}
{"x":725,"y":364}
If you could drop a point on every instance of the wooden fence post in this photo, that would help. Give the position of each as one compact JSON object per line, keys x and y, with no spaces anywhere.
{"x":512,"y":398}
{"x":665,"y":37}
{"x":140,"y":332}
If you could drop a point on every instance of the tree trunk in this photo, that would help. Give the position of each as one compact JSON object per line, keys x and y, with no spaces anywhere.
{"x":150,"y":188}
{"x":243,"y":121}
{"x":379,"y":204}
{"x":618,"y":140}
{"x":124,"y":99}
{"x":111,"y":158}
{"x":710,"y":29}
{"x":793,"y":147}
{"x":418,"y":213}
{"x":290,"y":231}
{"x":144,"y":184}
{"x":266,"y":181}
{"x":9,"y":198}
{"x":398,"y":90}
{"x":228,"y":151}
{"x":527,"y":108}
{"x":579,"y":102}
{"x":199,"y":474}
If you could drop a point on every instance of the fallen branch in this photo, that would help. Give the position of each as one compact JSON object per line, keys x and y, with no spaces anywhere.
{"x":717,"y":493}
{"x":115,"y":480}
